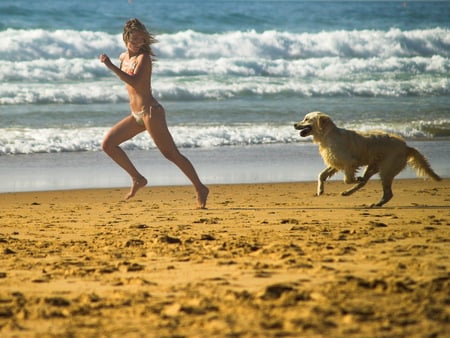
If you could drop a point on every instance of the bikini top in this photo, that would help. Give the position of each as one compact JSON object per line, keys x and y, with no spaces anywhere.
{"x":131,"y":65}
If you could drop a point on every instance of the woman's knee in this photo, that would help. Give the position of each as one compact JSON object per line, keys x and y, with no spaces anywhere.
{"x":171,"y":154}
{"x":107,"y":145}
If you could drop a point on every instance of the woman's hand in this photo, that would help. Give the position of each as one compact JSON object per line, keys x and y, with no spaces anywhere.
{"x":105,"y":59}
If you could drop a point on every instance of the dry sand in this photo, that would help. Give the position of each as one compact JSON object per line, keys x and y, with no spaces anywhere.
{"x":264,"y":260}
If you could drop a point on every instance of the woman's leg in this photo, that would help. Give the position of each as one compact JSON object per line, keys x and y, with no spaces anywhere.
{"x":119,"y":133}
{"x":156,"y":125}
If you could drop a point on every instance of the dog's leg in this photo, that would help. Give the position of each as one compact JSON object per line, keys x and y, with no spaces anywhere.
{"x":389,"y":168}
{"x":368,"y":173}
{"x":349,"y":175}
{"x":387,"y":191}
{"x":323,"y":176}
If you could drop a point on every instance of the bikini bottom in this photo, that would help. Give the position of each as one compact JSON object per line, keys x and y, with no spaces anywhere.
{"x":138,"y":116}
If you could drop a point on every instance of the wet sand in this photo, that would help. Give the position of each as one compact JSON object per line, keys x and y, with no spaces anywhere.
{"x":264,"y":260}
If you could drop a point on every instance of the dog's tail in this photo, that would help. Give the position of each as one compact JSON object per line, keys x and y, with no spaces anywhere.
{"x":418,"y":162}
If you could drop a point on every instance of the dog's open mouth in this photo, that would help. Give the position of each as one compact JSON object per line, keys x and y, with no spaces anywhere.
{"x":305,"y":131}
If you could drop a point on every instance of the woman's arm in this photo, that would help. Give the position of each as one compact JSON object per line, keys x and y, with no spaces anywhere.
{"x":131,"y":79}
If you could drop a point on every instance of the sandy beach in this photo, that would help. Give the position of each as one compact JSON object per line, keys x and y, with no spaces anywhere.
{"x":264,"y":260}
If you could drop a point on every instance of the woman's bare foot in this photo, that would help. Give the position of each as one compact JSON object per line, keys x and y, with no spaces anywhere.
{"x":138,"y":183}
{"x":202,"y":196}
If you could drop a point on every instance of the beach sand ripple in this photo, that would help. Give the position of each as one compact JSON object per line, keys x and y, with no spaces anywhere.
{"x":266,"y":260}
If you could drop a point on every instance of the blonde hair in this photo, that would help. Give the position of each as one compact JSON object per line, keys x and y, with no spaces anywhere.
{"x":133,"y":26}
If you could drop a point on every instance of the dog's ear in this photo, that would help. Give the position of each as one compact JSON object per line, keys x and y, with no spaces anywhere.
{"x":323,"y":122}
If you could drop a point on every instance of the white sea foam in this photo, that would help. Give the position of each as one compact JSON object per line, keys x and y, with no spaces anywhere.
{"x":23,"y":45}
{"x":49,"y":140}
{"x":62,"y":66}
{"x":35,"y":44}
{"x":78,"y":82}
{"x":331,"y":68}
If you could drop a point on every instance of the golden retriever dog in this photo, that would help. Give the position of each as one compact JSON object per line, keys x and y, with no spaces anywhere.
{"x":348,"y":150}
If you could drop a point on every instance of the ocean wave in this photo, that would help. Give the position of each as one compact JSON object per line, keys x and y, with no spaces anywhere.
{"x":210,"y":88}
{"x":36,"y":44}
{"x":15,"y":141}
{"x":329,"y":68}
{"x":62,"y":93}
{"x":48,"y":140}
{"x":27,"y":45}
{"x":62,"y":66}
{"x":285,"y":45}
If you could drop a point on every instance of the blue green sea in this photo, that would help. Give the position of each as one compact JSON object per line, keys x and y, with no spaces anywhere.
{"x":233,"y":76}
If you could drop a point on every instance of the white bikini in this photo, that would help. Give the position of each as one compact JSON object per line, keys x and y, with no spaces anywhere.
{"x":138,"y":116}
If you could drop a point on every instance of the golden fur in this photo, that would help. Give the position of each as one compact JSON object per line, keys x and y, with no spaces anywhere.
{"x":348,"y":150}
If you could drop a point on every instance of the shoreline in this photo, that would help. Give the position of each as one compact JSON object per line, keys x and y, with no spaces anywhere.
{"x":276,"y":163}
{"x":264,"y":260}
{"x":371,"y":192}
